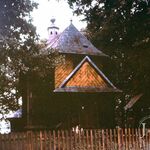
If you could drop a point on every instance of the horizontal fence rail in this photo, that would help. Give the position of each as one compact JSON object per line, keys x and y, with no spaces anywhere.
{"x":99,"y":139}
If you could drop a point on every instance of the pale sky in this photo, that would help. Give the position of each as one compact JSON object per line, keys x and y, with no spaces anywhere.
{"x":60,"y":11}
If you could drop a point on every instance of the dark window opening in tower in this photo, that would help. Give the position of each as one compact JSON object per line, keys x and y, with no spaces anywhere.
{"x":56,"y":33}
{"x":51,"y":32}
{"x":85,"y":46}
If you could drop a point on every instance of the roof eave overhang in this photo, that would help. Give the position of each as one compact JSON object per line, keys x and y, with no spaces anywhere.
{"x":84,"y":53}
{"x":88,"y":90}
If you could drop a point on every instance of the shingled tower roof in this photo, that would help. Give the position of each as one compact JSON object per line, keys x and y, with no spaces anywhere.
{"x":71,"y":41}
{"x":86,"y":77}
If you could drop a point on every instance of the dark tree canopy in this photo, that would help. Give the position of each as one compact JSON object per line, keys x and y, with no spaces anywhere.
{"x":119,"y":28}
{"x":122,"y":30}
{"x":17,"y":44}
{"x":21,"y":52}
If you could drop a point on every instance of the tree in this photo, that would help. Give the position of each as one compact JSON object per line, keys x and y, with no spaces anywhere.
{"x":21,"y":52}
{"x":122,"y":30}
{"x":17,"y":45}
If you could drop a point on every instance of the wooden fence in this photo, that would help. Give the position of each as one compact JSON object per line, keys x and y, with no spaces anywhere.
{"x":108,"y":139}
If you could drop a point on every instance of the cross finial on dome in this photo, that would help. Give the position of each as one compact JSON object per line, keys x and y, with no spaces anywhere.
{"x":70,"y":21}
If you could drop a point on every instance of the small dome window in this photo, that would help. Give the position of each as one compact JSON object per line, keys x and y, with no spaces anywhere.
{"x":51,"y":32}
{"x":85,"y":46}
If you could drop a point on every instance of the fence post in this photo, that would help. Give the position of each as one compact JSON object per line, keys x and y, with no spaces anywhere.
{"x":91,"y":139}
{"x":103,"y":139}
{"x":29,"y":140}
{"x":119,"y":139}
{"x":41,"y":140}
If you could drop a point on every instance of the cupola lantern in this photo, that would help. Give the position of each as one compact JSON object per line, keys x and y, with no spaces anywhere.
{"x":53,"y":30}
